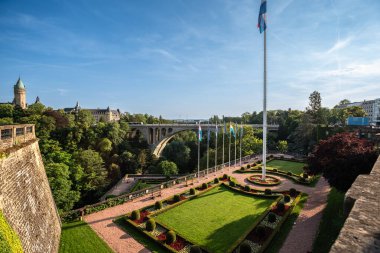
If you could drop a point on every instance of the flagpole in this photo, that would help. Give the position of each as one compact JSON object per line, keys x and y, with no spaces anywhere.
{"x":265,"y":109}
{"x":216,"y":145}
{"x":235,"y":144}
{"x":199,"y":144}
{"x":229,"y":149}
{"x":224,"y":133}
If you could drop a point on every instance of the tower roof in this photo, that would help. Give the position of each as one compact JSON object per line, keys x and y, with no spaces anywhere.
{"x":19,"y":84}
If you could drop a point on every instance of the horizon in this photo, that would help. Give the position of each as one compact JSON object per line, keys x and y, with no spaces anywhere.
{"x":183,"y":59}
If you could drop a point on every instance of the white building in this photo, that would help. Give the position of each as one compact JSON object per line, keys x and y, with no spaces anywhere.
{"x":371,"y":107}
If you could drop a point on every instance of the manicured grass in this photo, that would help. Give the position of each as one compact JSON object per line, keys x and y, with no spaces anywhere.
{"x":294,"y":167}
{"x":332,"y":221}
{"x":141,"y":185}
{"x":216,"y":219}
{"x":138,"y":236}
{"x":279,"y":239}
{"x":78,"y":237}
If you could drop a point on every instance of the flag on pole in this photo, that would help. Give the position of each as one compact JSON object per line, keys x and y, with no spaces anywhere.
{"x":199,"y":133}
{"x":232,"y":131}
{"x":262,"y":23}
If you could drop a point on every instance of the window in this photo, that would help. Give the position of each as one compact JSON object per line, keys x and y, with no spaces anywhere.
{"x":6,"y":133}
{"x":19,"y":131}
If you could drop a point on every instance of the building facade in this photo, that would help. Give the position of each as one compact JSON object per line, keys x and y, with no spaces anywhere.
{"x":105,"y":115}
{"x":371,"y":107}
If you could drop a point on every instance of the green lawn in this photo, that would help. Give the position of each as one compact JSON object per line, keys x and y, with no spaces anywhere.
{"x":78,"y":237}
{"x":294,"y":167}
{"x":216,"y":219}
{"x":276,"y":243}
{"x":141,"y":185}
{"x":332,"y":221}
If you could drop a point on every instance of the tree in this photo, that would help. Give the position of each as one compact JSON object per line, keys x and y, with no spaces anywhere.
{"x":105,"y":145}
{"x":282,"y":146}
{"x":178,"y":153}
{"x":344,"y":102}
{"x":60,"y":184}
{"x":94,"y":173}
{"x":315,"y":102}
{"x":341,"y":158}
{"x":168,"y":168}
{"x":6,"y":111}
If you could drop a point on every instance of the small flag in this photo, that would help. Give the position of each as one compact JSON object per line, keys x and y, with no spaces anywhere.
{"x":262,"y":23}
{"x":232,"y":131}
{"x":199,"y":133}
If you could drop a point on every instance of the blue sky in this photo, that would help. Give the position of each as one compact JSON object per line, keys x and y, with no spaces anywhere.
{"x":189,"y":59}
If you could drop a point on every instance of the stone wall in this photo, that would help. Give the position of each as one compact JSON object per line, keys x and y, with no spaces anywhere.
{"x":26,"y":200}
{"x":361,"y":231}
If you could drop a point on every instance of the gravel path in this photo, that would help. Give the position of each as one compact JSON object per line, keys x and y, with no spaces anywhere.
{"x":304,"y":231}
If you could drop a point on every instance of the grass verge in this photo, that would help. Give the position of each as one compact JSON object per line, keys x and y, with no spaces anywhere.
{"x":332,"y":222}
{"x":288,"y":166}
{"x":78,"y":237}
{"x":279,"y":239}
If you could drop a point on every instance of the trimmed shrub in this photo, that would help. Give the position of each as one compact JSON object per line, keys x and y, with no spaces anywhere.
{"x":268,"y":192}
{"x":225,"y":176}
{"x":289,"y":173}
{"x":242,"y":168}
{"x":135,"y":215}
{"x":286,"y":198}
{"x":248,"y":166}
{"x":110,"y":196}
{"x":271,"y":156}
{"x":204,"y":186}
{"x":254,"y":164}
{"x":260,"y":231}
{"x":305,"y":175}
{"x":258,"y":162}
{"x":170,"y":237}
{"x":293,"y":192}
{"x":216,"y":180}
{"x":176,"y":198}
{"x":272,"y":218}
{"x":158,"y":205}
{"x":195,"y":249}
{"x":150,"y":225}
{"x":192,"y":191}
{"x":232,"y":183}
{"x":302,"y":179}
{"x":245,"y":248}
{"x":260,"y":168}
{"x":247,"y":188}
{"x":274,"y":170}
{"x":281,"y":206}
{"x":282,"y":156}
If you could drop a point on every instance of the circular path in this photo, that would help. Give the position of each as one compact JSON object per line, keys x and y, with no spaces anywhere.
{"x":304,"y":230}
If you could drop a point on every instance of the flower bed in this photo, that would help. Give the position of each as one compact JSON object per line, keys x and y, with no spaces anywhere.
{"x":269,"y":180}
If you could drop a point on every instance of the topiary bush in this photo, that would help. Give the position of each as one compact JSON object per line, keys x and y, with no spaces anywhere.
{"x":293,"y":192}
{"x":248,"y":166}
{"x":158,"y":205}
{"x":268,"y":192}
{"x":289,"y":173}
{"x":245,"y":248}
{"x":135,"y":215}
{"x":272,"y":218}
{"x":170,"y":237}
{"x":281,"y":206}
{"x":274,"y":170}
{"x":176,"y":198}
{"x":225,"y":176}
{"x":254,"y":164}
{"x":204,"y":186}
{"x":260,"y":231}
{"x":247,"y":188}
{"x":216,"y":180}
{"x":232,"y":183}
{"x":151,"y":225}
{"x":286,"y":198}
{"x":305,"y":175}
{"x":282,"y":156}
{"x":195,"y":249}
{"x":192,"y":191}
{"x":258,"y":162}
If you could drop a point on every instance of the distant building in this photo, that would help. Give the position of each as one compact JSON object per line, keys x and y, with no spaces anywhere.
{"x":106,"y":115}
{"x":371,"y":107}
{"x":19,"y":98}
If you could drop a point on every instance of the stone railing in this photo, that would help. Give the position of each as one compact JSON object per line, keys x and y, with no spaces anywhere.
{"x":11,"y":135}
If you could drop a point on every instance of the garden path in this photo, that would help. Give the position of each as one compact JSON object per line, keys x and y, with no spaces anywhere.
{"x":122,"y":242}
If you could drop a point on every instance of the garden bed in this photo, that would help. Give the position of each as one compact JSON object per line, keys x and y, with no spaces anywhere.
{"x":269,"y":180}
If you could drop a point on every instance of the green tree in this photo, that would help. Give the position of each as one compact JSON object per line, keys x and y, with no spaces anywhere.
{"x":105,"y":146}
{"x":282,"y":146}
{"x":6,"y":111}
{"x":168,"y":168}
{"x":178,"y":153}
{"x":59,"y":179}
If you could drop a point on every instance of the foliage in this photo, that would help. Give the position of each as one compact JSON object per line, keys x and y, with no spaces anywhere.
{"x":282,"y":146}
{"x":293,"y":192}
{"x":9,"y":240}
{"x":286,"y":198}
{"x":232,"y":183}
{"x":225,"y":176}
{"x":204,"y":186}
{"x":216,"y":180}
{"x":167,"y":168}
{"x":170,"y":237}
{"x":192,"y":191}
{"x":79,"y":237}
{"x":245,"y":248}
{"x":281,"y":206}
{"x":260,"y":231}
{"x":271,"y":217}
{"x":178,"y":153}
{"x":247,"y":188}
{"x":135,"y":215}
{"x":341,"y":158}
{"x":195,"y":249}
{"x":268,"y":191}
{"x":151,"y":225}
{"x":176,"y":198}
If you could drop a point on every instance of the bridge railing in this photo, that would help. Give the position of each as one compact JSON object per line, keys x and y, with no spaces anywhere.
{"x":151,"y":191}
{"x":11,"y":135}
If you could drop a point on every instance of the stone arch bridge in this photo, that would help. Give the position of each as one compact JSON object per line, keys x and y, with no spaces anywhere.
{"x":158,"y":135}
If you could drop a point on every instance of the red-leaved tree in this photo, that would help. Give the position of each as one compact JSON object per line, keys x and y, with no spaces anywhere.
{"x":341,"y":158}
